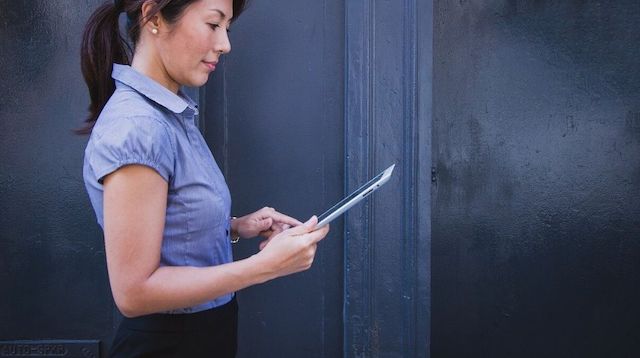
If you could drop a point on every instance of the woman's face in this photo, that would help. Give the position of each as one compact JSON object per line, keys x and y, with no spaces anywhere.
{"x":190,"y":48}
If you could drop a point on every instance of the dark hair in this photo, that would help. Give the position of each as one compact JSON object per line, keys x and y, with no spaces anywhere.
{"x":103,"y":44}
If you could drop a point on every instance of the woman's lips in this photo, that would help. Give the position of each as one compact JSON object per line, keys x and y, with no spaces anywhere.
{"x":210,"y":65}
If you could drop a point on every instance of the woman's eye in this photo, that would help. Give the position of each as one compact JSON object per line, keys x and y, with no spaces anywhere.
{"x":217,"y":26}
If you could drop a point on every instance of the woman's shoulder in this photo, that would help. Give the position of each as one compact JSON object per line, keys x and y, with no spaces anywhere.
{"x":126,"y":102}
{"x":130,"y":120}
{"x":129,"y":132}
{"x":129,"y":112}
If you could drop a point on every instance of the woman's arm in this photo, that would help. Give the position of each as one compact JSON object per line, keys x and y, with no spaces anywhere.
{"x":135,"y":199}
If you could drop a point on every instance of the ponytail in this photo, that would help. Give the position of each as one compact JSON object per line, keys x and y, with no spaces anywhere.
{"x":102,"y":45}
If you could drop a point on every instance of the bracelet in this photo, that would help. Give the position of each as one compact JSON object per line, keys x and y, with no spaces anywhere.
{"x":234,"y":238}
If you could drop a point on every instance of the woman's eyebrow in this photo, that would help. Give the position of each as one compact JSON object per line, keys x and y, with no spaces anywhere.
{"x":220,"y":12}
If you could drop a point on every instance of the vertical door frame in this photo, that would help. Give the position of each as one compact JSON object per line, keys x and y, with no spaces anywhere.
{"x":361,"y":333}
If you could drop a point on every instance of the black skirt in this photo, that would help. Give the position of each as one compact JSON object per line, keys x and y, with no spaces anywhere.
{"x":210,"y":333}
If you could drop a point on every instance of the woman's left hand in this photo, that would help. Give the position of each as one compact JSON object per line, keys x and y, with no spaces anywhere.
{"x":265,"y":222}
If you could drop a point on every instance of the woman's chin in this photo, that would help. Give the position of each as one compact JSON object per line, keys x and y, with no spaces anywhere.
{"x":198,"y":81}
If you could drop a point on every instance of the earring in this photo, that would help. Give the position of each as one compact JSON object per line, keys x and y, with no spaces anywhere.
{"x":154,"y":31}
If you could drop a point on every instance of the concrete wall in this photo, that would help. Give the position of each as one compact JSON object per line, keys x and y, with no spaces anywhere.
{"x":536,"y":209}
{"x":53,"y":279}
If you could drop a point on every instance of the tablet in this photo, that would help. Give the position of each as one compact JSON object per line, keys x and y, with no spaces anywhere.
{"x":355,"y":197}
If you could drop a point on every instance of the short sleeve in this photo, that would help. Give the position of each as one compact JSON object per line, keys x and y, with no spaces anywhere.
{"x":137,"y":140}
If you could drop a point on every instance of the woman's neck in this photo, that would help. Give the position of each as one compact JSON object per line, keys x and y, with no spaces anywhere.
{"x":151,"y":66}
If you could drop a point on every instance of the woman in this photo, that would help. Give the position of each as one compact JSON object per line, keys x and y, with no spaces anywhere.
{"x":157,"y":191}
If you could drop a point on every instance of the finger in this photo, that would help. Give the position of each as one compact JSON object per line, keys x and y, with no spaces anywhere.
{"x":266,"y":234}
{"x":267,"y":211}
{"x":317,"y":235}
{"x":264,"y":224}
{"x":312,"y":222}
{"x":275,"y":229}
{"x":278,"y":228}
{"x":304,"y":228}
{"x":285,"y":219}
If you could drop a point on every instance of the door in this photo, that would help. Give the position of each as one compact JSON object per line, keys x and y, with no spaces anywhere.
{"x":316,"y":98}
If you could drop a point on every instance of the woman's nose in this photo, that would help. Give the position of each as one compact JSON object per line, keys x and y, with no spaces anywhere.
{"x":223,"y":45}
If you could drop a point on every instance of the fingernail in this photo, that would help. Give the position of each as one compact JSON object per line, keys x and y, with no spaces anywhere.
{"x":309,"y":221}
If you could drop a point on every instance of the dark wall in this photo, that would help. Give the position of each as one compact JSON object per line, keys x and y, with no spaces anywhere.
{"x":536,"y":209}
{"x":53,"y":279}
{"x":316,"y":98}
{"x":388,"y":120}
{"x":274,"y":119}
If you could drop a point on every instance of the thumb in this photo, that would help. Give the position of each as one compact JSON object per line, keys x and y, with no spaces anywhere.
{"x":312,"y":222}
{"x":305,"y":228}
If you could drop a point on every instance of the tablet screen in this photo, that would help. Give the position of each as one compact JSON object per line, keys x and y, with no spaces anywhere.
{"x":350,"y":197}
{"x":355,"y":197}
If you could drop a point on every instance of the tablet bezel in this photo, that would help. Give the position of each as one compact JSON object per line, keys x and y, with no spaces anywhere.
{"x":355,"y":197}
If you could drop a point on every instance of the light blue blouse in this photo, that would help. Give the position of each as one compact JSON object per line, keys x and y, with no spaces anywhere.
{"x":145,"y":123}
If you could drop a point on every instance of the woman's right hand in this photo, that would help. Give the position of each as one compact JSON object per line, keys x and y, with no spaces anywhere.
{"x":292,"y":250}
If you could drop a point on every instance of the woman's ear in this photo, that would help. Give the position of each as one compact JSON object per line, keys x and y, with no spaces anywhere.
{"x":147,"y":18}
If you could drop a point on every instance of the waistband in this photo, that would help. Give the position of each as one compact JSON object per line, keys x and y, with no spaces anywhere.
{"x":184,"y":321}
